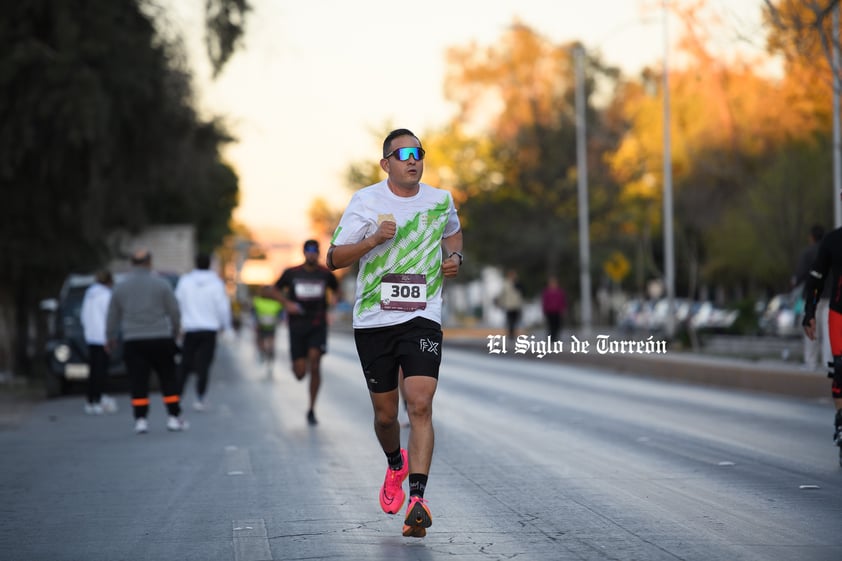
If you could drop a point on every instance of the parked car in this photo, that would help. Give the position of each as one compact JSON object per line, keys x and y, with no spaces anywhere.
{"x":651,"y":316}
{"x":66,"y":352}
{"x":709,"y":317}
{"x":783,"y":314}
{"x":635,"y":314}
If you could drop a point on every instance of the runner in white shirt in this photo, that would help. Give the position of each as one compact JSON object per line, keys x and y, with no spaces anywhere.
{"x":396,"y":230}
{"x":205,"y":311}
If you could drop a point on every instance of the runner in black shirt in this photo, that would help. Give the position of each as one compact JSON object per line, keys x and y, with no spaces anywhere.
{"x":828,"y":268}
{"x":304,"y":293}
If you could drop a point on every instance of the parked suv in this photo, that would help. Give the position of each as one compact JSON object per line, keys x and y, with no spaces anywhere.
{"x":66,"y":352}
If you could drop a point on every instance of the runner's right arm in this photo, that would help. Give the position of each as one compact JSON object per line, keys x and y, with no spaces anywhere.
{"x":340,"y":256}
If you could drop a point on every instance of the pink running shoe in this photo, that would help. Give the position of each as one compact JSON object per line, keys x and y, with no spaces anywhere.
{"x":391,"y":493}
{"x":418,"y":518}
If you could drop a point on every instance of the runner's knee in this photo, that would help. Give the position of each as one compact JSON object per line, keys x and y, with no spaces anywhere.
{"x":419,"y":406}
{"x":424,"y":411}
{"x":385,"y":419}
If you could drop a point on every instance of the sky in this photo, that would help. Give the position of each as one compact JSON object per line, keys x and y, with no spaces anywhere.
{"x":315,"y":82}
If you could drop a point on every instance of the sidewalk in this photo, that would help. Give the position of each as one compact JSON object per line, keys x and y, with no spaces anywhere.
{"x":764,"y":375}
{"x":16,"y":399}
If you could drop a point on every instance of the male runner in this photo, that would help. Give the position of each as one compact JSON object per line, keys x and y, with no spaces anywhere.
{"x":304,"y":293}
{"x":396,"y":230}
{"x":267,"y":313}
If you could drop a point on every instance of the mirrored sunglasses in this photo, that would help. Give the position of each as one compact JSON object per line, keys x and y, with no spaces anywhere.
{"x":403,"y":154}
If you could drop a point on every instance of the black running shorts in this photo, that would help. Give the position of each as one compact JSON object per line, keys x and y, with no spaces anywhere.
{"x":302,"y":338}
{"x":414,"y":346}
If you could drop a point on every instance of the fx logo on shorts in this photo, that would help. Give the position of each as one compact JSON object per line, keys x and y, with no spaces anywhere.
{"x":429,"y":346}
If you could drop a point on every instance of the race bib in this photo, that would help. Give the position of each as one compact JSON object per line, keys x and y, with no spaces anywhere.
{"x":405,"y":293}
{"x":309,"y":290}
{"x":267,"y":319}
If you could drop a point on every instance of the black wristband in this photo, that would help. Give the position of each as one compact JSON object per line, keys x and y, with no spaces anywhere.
{"x":329,"y":259}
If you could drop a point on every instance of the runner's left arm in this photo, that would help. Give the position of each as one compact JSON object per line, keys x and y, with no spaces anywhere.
{"x":452,"y":250}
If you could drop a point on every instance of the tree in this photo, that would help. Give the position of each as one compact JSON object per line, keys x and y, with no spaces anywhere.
{"x":802,"y":29}
{"x":98,"y":131}
{"x":323,"y":218}
{"x":225,"y":21}
{"x":528,"y":165}
{"x":732,"y":130}
{"x":762,"y":234}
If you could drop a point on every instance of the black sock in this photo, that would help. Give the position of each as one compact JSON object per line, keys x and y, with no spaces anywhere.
{"x":395,"y":459}
{"x":417,"y":484}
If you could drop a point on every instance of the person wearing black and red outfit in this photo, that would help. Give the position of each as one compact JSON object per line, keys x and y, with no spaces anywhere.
{"x":303,"y":290}
{"x":827,"y":267}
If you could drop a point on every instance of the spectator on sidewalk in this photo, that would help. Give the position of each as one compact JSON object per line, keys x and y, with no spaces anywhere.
{"x":819,"y":348}
{"x":554,"y":305}
{"x":144,"y":309}
{"x":93,"y":317}
{"x":510,"y":300}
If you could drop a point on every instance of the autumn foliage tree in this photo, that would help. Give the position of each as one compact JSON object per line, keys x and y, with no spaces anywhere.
{"x":745,"y":155}
{"x":519,"y":182}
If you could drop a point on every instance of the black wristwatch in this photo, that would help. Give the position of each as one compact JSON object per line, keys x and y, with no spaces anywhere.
{"x":461,"y":258}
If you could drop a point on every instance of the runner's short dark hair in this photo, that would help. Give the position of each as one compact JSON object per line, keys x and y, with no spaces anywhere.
{"x":104,"y":276}
{"x":387,"y":144}
{"x":203,"y":261}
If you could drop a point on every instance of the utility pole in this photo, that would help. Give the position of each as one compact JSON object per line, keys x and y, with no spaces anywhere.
{"x":582,"y":174}
{"x":669,"y":249}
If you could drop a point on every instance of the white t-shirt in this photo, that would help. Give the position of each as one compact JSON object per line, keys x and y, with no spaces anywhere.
{"x":93,"y":313}
{"x":412,"y":259}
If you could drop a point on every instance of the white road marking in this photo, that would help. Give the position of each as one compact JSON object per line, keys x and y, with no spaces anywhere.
{"x":250,"y":540}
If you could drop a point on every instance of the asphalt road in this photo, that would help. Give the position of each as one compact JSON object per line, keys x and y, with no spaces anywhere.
{"x":535,"y":460}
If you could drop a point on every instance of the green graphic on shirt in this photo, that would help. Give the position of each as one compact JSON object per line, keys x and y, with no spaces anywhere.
{"x":335,"y":235}
{"x":415,"y":249}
